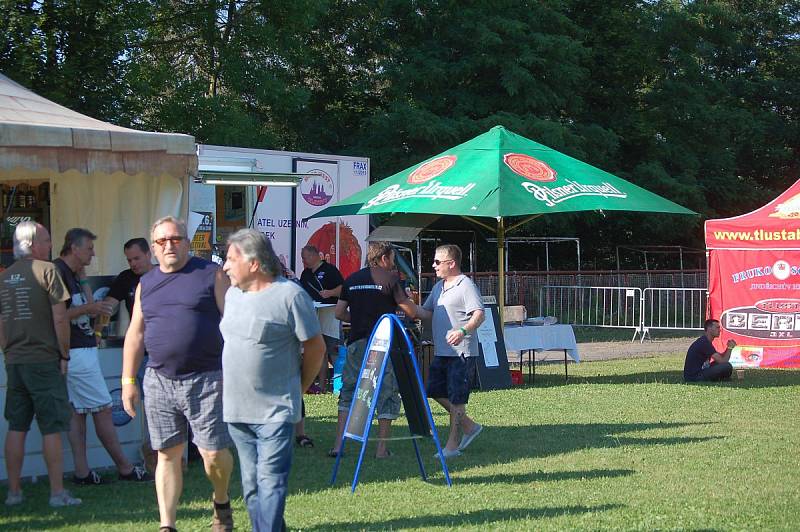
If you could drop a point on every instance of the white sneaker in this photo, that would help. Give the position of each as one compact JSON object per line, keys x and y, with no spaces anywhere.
{"x":13,"y":499}
{"x":64,"y":499}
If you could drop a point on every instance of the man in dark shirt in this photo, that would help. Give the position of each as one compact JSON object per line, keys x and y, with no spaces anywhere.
{"x":123,"y":287}
{"x":367,"y":295}
{"x":88,"y":392}
{"x":698,"y":366}
{"x":323,"y":282}
{"x":176,"y":314}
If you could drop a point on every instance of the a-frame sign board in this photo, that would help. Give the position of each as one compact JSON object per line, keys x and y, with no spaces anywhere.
{"x":389,"y":337}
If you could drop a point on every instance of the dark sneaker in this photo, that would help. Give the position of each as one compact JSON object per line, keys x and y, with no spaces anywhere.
{"x":223,"y":517}
{"x":92,"y":479}
{"x":138,"y":474}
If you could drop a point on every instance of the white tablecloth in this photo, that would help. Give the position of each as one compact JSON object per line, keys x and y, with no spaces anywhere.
{"x":327,"y":319}
{"x":542,"y":338}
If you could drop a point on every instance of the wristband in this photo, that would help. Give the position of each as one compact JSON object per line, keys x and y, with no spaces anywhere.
{"x":84,"y":281}
{"x":65,"y":359}
{"x":463,"y":330}
{"x":128,"y":380}
{"x":99,"y":334}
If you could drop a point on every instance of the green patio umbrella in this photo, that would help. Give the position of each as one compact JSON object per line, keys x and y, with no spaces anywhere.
{"x":498,"y":175}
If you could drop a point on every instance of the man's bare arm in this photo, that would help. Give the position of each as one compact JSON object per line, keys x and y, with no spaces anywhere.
{"x":313,"y":358}
{"x":132,"y":354}
{"x":410,"y":308}
{"x":221,"y":285}
{"x":725,"y":356}
{"x":342,"y":311}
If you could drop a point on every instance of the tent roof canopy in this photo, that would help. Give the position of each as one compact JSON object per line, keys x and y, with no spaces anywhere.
{"x":776,"y":225}
{"x":29,"y":120}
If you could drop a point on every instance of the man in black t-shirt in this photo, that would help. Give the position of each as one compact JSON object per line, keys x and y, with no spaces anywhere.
{"x":323,"y":282}
{"x":698,"y":366}
{"x":123,"y":287}
{"x":86,"y":385}
{"x":367,"y":295}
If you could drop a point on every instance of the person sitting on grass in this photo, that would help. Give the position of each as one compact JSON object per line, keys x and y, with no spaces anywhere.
{"x":698,"y":366}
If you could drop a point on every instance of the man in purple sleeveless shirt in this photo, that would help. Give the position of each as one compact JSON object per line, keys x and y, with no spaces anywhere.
{"x":176,"y":314}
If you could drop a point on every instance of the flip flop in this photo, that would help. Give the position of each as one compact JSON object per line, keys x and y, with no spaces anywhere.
{"x":333,"y":453}
{"x":467,"y":438}
{"x":304,"y":441}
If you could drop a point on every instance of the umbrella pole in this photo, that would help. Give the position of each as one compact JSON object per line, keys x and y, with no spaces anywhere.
{"x":501,"y":269}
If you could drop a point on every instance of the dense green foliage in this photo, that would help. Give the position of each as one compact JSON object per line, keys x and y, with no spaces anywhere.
{"x":694,"y":100}
{"x":625,"y":445}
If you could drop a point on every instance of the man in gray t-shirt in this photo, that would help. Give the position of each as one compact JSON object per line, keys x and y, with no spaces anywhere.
{"x":267,"y":319}
{"x":456,"y":308}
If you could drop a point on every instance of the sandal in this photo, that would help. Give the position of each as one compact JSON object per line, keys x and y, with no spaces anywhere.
{"x":304,"y":441}
{"x":333,"y":453}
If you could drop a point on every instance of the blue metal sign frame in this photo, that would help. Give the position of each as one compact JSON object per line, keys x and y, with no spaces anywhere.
{"x":396,"y":324}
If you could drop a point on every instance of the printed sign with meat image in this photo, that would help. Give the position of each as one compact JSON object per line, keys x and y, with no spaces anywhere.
{"x":324,"y":239}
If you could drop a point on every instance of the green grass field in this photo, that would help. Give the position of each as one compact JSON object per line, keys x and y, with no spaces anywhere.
{"x":623,"y":445}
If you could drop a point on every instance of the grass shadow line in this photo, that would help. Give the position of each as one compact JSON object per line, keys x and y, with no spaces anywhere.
{"x":481,"y":518}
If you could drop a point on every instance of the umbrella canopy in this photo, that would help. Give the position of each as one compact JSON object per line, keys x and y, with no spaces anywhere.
{"x":500,"y":174}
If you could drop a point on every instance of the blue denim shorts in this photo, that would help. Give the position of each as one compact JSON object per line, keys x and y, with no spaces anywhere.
{"x":451,"y":377}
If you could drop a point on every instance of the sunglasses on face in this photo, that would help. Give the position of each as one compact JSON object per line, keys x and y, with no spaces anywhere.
{"x":174,"y":240}
{"x":438,"y":262}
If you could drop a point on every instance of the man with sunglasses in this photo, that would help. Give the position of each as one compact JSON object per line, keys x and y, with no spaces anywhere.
{"x":456,"y":308}
{"x":176,"y":315}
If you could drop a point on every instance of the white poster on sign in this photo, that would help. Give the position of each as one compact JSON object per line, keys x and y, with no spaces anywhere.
{"x":486,"y":332}
{"x":490,"y":354}
{"x":487,"y":337}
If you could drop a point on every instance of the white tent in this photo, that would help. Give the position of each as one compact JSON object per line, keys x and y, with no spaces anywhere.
{"x":111,"y":180}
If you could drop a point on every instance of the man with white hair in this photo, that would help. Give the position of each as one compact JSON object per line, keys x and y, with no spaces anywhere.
{"x":34,"y":336}
{"x":267,"y":320}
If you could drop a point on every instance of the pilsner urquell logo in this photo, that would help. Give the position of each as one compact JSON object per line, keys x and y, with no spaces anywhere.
{"x":433,"y":190}
{"x":431,"y":169}
{"x":540,"y":172}
{"x":529,"y":168}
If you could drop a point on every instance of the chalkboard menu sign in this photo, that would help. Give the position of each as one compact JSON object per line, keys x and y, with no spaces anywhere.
{"x":493,"y":370}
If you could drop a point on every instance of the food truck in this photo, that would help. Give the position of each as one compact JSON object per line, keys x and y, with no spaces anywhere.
{"x":275,"y":192}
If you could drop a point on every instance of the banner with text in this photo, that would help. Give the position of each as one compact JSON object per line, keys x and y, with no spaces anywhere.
{"x":756,"y":296}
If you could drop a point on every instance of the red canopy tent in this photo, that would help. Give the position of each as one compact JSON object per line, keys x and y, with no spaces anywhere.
{"x":754,"y":282}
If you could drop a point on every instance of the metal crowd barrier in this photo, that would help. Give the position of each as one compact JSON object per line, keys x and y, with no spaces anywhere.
{"x":674,"y":309}
{"x":625,"y":307}
{"x":593,"y":306}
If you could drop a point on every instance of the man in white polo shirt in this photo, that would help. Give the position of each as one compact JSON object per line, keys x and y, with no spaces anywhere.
{"x":456,"y":308}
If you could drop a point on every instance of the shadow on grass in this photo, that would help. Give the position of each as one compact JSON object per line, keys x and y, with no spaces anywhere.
{"x":753,"y":378}
{"x":544,"y":476}
{"x":481,"y":518}
{"x":518,"y":443}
